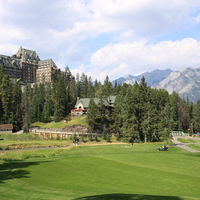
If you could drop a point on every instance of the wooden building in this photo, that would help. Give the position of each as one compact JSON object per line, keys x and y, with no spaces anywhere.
{"x":6,"y":128}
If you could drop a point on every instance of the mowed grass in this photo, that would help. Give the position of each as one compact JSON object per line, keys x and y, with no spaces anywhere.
{"x":183,"y":140}
{"x":103,"y":172}
{"x":81,"y":120}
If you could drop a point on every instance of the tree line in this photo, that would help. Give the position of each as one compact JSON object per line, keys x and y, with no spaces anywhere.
{"x":140,"y":113}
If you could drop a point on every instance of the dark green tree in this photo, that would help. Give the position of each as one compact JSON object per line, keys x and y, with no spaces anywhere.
{"x":16,"y":111}
{"x":91,"y":114}
{"x":107,"y":88}
{"x":131,"y":124}
{"x":60,"y":99}
{"x":5,"y":93}
{"x":48,"y":108}
{"x":26,"y":108}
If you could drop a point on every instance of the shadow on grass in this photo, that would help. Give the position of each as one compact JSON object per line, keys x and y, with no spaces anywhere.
{"x":128,"y":197}
{"x":11,"y":170}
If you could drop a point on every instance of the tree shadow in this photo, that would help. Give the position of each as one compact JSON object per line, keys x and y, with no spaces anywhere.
{"x":128,"y":197}
{"x":11,"y":170}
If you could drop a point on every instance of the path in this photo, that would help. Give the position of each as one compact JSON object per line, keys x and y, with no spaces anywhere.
{"x":184,"y":145}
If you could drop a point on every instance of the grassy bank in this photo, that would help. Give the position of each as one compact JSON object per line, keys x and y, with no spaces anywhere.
{"x":31,"y":140}
{"x":183,"y":140}
{"x":81,"y":120}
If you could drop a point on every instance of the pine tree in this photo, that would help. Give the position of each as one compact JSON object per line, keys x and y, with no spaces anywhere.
{"x":91,"y":114}
{"x":78,"y":86}
{"x":195,"y":123}
{"x":107,"y":88}
{"x":1,"y":109}
{"x":144,"y":109}
{"x":60,"y":99}
{"x":130,"y":128}
{"x":5,"y":93}
{"x":16,"y":111}
{"x":48,"y":109}
{"x":26,"y":108}
{"x":35,"y":104}
{"x":91,"y":93}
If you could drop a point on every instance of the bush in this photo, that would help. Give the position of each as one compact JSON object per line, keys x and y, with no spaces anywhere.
{"x":108,"y":138}
{"x":91,"y":137}
{"x":96,"y":138}
{"x":19,"y":137}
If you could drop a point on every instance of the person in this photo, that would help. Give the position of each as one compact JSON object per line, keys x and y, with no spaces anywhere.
{"x":164,"y":147}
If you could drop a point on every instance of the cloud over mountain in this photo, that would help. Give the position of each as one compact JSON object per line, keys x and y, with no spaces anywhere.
{"x":104,"y":37}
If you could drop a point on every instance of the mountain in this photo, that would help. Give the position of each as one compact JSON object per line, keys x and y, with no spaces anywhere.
{"x":150,"y":77}
{"x":155,"y":76}
{"x":129,"y":79}
{"x":185,"y":82}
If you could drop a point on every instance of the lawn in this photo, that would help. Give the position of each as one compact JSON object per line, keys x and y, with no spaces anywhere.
{"x":81,"y":120}
{"x":186,"y":140}
{"x":100,"y":172}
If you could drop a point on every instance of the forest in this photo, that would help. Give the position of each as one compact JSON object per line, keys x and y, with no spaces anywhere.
{"x":140,"y":113}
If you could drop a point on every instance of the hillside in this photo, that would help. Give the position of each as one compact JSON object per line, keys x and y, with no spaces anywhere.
{"x":184,"y":81}
{"x":151,"y":77}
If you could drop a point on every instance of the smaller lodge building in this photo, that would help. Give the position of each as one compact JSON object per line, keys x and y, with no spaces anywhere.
{"x":6,"y":128}
{"x":82,"y":105}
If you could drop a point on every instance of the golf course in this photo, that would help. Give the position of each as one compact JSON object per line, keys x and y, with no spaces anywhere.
{"x":100,"y":171}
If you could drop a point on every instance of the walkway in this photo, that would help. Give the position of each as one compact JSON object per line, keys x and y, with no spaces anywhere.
{"x":184,"y":145}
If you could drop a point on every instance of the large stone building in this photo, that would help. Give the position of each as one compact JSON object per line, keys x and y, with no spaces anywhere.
{"x":45,"y":70}
{"x":26,"y":64}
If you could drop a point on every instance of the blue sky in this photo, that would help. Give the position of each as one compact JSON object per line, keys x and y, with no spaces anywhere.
{"x":104,"y":37}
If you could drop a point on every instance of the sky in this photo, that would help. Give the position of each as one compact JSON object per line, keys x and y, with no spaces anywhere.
{"x":104,"y":37}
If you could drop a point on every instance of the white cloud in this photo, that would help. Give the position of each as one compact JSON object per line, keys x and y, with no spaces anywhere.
{"x":64,"y":30}
{"x":134,"y":58}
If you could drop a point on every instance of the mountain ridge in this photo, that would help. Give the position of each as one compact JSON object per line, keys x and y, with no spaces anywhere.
{"x":185,"y":81}
{"x":151,"y":78}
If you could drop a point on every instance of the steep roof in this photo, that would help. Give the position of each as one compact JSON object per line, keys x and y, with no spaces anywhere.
{"x":107,"y":102}
{"x":47,"y":63}
{"x":27,"y":55}
{"x":9,"y":61}
{"x":6,"y":126}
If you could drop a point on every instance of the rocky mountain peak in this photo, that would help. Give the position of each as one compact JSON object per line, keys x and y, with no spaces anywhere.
{"x":185,"y":81}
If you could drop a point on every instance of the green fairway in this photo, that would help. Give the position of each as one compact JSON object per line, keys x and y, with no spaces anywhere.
{"x":102,"y":172}
{"x":186,"y":140}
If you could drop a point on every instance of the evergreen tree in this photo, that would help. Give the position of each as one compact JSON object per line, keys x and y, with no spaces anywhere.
{"x":91,"y":114}
{"x":35,"y":104}
{"x":107,"y":88}
{"x":38,"y":102}
{"x":5,"y":93}
{"x":195,"y":123}
{"x":174,"y":101}
{"x":130,"y":128}
{"x":16,"y":111}
{"x":1,"y":109}
{"x":91,"y":93}
{"x":60,"y":99}
{"x":26,"y":108}
{"x":48,"y":109}
{"x":78,"y":86}
{"x":70,"y":96}
{"x":144,"y":109}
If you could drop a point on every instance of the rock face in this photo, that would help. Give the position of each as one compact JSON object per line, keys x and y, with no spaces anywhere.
{"x":155,"y":76}
{"x":150,"y":77}
{"x":128,"y":79}
{"x":76,"y":128}
{"x":185,"y":82}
